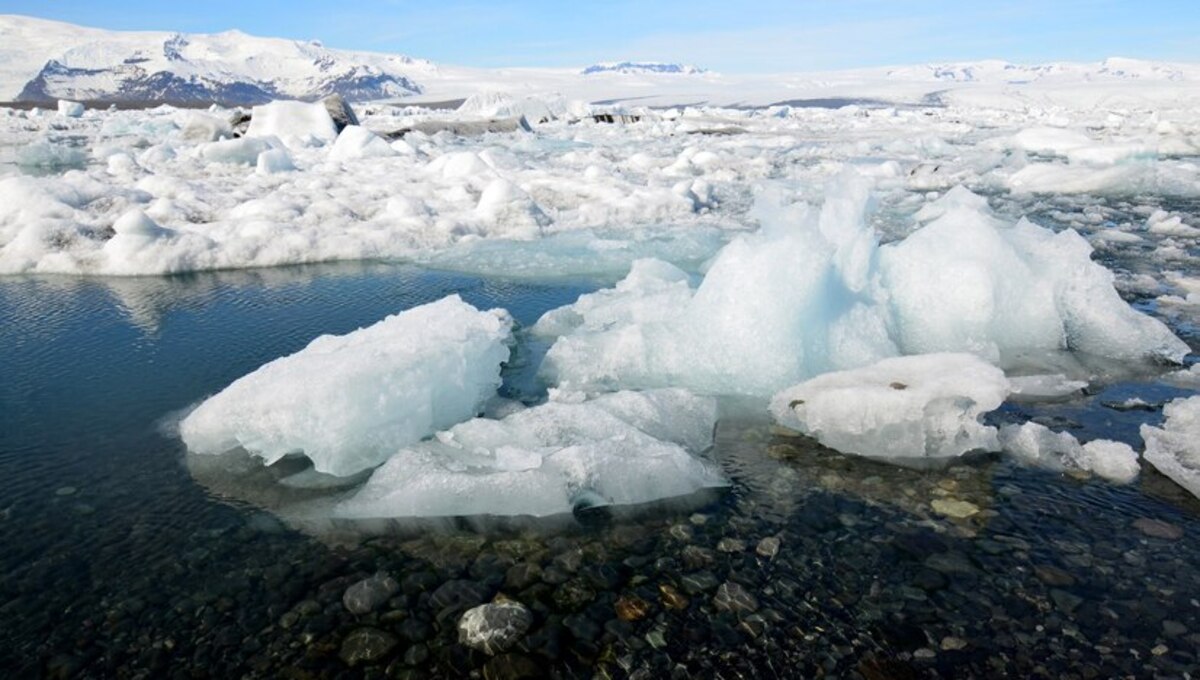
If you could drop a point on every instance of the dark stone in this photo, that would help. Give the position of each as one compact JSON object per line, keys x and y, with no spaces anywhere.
{"x":573,"y":594}
{"x":732,"y":597}
{"x":522,"y":575}
{"x":366,"y":645}
{"x":339,"y":111}
{"x":511,"y":667}
{"x":366,"y":595}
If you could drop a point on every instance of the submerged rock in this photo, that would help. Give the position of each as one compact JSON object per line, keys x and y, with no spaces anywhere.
{"x":366,"y":595}
{"x":495,"y":627}
{"x":367,"y":645}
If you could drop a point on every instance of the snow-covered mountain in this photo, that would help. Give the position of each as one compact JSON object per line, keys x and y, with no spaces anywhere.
{"x":46,"y":60}
{"x":642,"y":67}
{"x":995,"y":71}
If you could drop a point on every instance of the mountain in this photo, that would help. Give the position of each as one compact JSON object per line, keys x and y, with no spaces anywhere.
{"x":642,"y":67}
{"x":45,"y":60}
{"x":997,"y":72}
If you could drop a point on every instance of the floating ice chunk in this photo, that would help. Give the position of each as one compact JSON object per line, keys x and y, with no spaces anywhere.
{"x":1046,"y":386}
{"x":134,"y":231}
{"x":504,"y":203}
{"x":202,"y":127}
{"x":69,"y":109}
{"x":460,"y":165}
{"x":956,"y":198}
{"x":49,"y":155}
{"x":273,"y":161}
{"x":967,"y":282}
{"x":1164,"y":223}
{"x":814,"y":291}
{"x":244,"y":151}
{"x":906,"y":409}
{"x":1036,"y":445}
{"x":621,"y":448}
{"x":1174,"y":448}
{"x":348,"y":402}
{"x":297,"y":124}
{"x":355,"y":142}
{"x":1188,"y":378}
{"x":1049,"y":140}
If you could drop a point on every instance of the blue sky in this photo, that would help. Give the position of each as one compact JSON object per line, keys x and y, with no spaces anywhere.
{"x":728,"y":36}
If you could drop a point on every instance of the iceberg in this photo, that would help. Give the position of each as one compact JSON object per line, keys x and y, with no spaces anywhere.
{"x":814,"y":291}
{"x":909,"y":409}
{"x":1174,"y":448}
{"x":619,"y":448}
{"x":349,"y":402}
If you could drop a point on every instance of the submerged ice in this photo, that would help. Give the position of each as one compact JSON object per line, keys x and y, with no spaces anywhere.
{"x":1174,"y":448}
{"x":348,"y":402}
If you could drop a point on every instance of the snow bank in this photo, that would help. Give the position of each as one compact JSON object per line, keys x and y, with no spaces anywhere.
{"x":1037,"y":445}
{"x":924,"y":407}
{"x":814,"y":292}
{"x":620,"y":448}
{"x":348,"y":402}
{"x":297,"y":124}
{"x":1174,"y":448}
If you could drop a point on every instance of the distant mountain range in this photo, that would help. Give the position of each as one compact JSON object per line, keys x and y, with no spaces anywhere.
{"x":643,"y":67}
{"x":47,"y":60}
{"x":42,"y":60}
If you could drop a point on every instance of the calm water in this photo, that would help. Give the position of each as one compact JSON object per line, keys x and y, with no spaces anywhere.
{"x":117,"y":562}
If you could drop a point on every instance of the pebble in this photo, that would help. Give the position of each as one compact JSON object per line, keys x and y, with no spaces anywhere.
{"x":1156,"y":528}
{"x":65,"y":491}
{"x":699,"y":582}
{"x":631,"y":608}
{"x":1053,"y":576}
{"x":768,"y":547}
{"x":950,"y":644}
{"x":366,"y":645}
{"x":732,"y":597}
{"x":366,"y":595}
{"x":672,"y":598}
{"x":731,"y":545}
{"x":495,"y":627}
{"x":951,"y":507}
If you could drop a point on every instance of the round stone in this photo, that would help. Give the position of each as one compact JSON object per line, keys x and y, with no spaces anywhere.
{"x":495,"y":627}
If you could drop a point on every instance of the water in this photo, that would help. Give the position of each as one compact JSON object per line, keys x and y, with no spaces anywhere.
{"x":118,"y":562}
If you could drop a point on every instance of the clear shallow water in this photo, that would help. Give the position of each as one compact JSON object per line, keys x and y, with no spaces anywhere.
{"x":118,"y":563}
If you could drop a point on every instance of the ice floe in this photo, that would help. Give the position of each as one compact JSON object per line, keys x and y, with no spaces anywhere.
{"x":621,"y":448}
{"x":349,"y":402}
{"x":1174,"y":448}
{"x":905,"y":409}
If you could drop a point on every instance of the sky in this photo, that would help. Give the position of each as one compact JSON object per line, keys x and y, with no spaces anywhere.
{"x":731,"y":36}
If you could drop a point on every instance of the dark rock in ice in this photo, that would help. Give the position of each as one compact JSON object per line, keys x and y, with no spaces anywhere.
{"x":340,"y":111}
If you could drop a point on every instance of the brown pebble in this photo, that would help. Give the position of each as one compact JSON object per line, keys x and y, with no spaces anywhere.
{"x":672,"y":598}
{"x":632,"y":608}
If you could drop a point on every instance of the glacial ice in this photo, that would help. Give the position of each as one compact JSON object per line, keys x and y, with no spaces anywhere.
{"x":1037,"y":445}
{"x":1174,"y":448}
{"x":814,"y":291}
{"x":273,"y":161}
{"x":69,"y":109}
{"x":903,"y":409}
{"x":356,"y":142}
{"x":620,"y":448}
{"x":349,"y":402}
